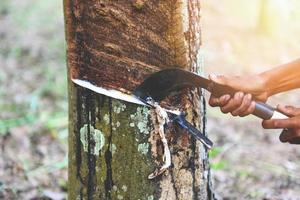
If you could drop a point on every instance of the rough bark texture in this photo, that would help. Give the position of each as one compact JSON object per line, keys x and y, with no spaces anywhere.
{"x":113,"y":146}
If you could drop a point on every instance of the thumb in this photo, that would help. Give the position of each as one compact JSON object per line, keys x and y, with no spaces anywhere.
{"x":287,"y":110}
{"x":219,"y":79}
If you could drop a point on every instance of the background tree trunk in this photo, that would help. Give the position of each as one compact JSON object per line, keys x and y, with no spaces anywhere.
{"x":113,"y":146}
{"x":273,"y":17}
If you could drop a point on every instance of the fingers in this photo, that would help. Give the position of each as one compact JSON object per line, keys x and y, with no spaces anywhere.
{"x":234,"y":103}
{"x":281,"y":123}
{"x":288,"y":110}
{"x":291,"y":131}
{"x":239,"y":105}
{"x":221,"y":101}
{"x":249,"y":110}
{"x":285,"y":135}
{"x":245,"y":107}
{"x":290,"y":135}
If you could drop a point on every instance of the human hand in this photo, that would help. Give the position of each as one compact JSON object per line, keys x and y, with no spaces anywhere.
{"x":241,"y":104}
{"x":291,"y":126}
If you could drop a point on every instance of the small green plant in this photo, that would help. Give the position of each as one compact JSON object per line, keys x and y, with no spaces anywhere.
{"x":214,"y":152}
{"x":218,"y":164}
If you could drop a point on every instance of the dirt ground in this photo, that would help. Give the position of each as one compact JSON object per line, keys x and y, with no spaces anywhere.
{"x":247,"y":161}
{"x":250,"y":163}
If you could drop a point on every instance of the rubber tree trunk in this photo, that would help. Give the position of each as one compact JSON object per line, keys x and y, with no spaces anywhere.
{"x":113,"y":145}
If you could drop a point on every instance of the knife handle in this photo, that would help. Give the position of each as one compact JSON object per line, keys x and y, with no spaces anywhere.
{"x":264,"y":111}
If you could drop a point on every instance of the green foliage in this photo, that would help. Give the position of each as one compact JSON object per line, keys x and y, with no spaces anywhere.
{"x":243,"y":174}
{"x":214,"y":152}
{"x":6,"y":125}
{"x":219,"y":164}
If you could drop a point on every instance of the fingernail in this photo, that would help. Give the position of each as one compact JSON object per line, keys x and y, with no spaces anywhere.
{"x":253,"y":105}
{"x":282,"y":136}
{"x":227,"y":97}
{"x":223,"y":98}
{"x":279,"y":106}
{"x":275,"y":124}
{"x":289,"y":108}
{"x":249,"y":96}
{"x":236,"y":95}
{"x":239,"y":95}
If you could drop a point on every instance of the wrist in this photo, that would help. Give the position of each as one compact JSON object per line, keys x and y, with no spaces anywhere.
{"x":265,"y":83}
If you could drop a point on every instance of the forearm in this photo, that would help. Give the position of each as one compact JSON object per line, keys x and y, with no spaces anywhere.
{"x":283,"y":78}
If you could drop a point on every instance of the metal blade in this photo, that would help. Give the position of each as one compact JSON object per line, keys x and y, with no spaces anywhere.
{"x":162,"y":83}
{"x":181,"y":121}
{"x":165,"y":82}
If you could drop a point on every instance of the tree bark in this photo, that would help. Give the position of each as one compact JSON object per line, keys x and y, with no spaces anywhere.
{"x":113,"y":145}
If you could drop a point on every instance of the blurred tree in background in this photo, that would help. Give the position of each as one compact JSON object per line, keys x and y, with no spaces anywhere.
{"x":273,"y":16}
{"x":32,"y":55}
{"x":33,"y":100}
